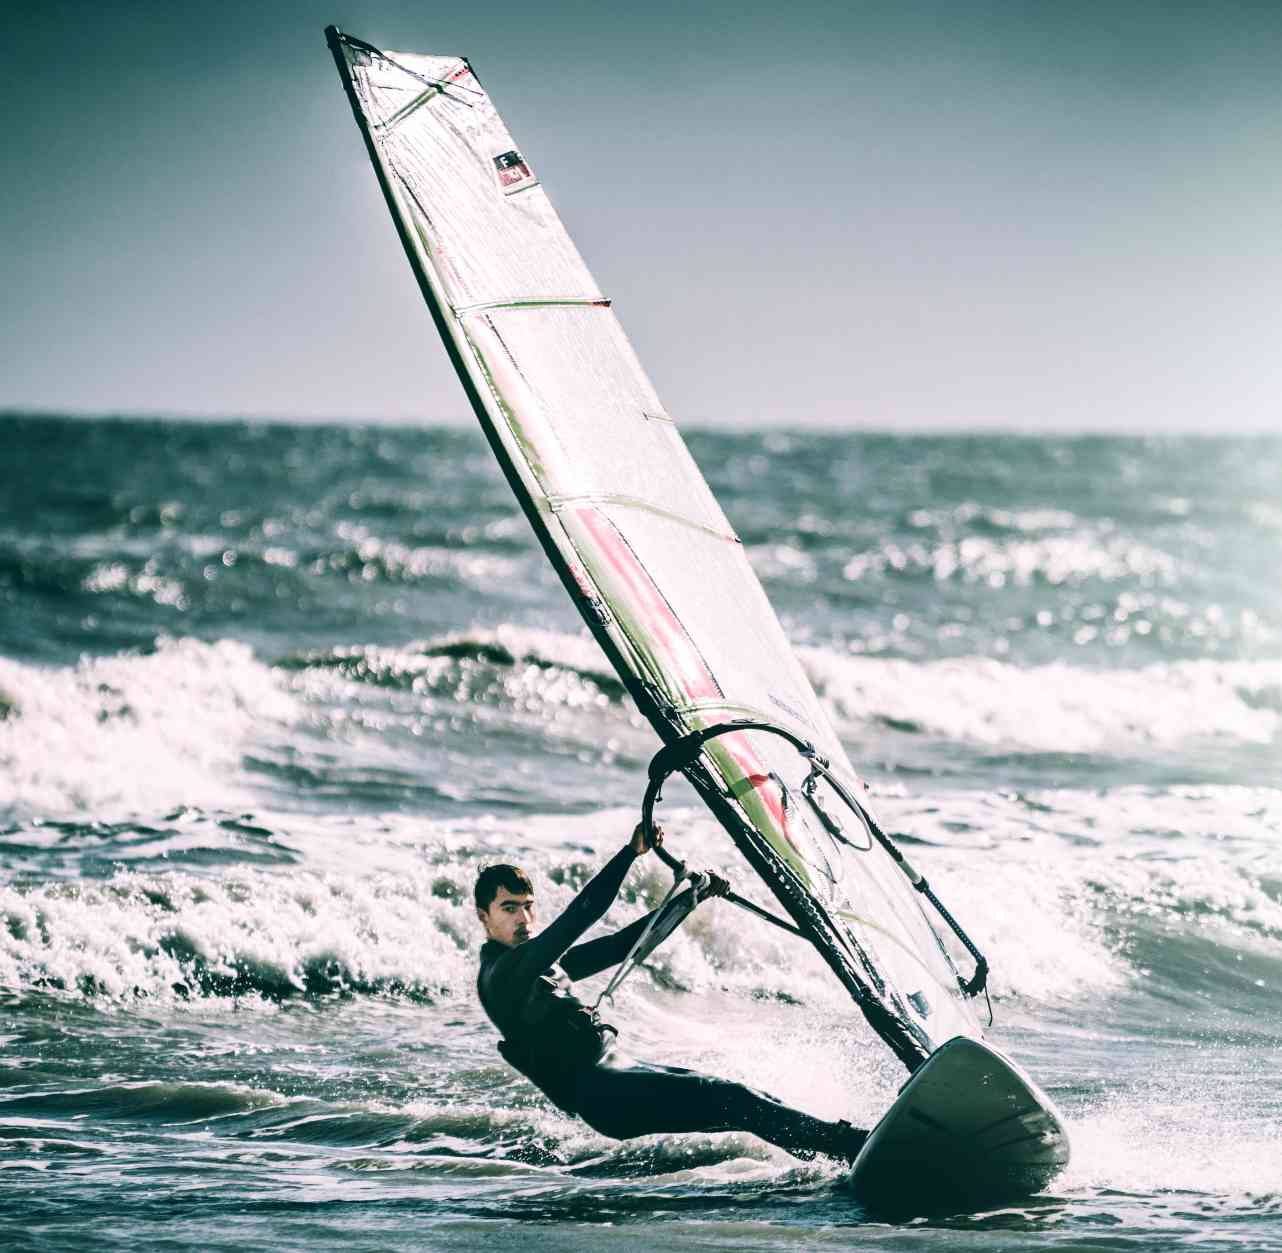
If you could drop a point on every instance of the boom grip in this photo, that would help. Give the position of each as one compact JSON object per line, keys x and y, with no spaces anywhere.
{"x":679,"y":755}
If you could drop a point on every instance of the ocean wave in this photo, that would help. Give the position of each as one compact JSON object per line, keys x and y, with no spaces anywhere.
{"x":133,"y":733}
{"x":402,"y":926}
{"x":1076,"y":892}
{"x":387,"y":912}
{"x":975,"y":700}
{"x":1053,"y":708}
{"x":146,"y":1101}
{"x":175,"y":937}
{"x":361,"y":556}
{"x":1194,"y":1135}
{"x":53,"y":848}
{"x":210,"y":725}
{"x":451,"y":1138}
{"x":971,"y":700}
{"x":519,"y":666}
{"x":953,"y":520}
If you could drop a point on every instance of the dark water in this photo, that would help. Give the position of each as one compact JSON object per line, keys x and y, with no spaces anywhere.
{"x":270,"y":695}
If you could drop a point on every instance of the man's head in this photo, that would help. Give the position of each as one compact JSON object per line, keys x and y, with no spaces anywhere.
{"x":505,"y":904}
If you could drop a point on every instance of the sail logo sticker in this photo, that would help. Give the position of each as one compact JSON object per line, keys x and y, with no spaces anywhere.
{"x":514,"y":174}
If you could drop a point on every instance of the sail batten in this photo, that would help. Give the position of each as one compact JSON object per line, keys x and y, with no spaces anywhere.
{"x":559,"y":504}
{"x":631,"y":526}
{"x":535,"y":302}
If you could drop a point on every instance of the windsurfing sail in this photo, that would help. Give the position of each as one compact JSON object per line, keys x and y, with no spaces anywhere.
{"x":635,"y":533}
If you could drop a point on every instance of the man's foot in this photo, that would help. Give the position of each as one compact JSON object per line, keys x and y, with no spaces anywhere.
{"x":847,"y":1142}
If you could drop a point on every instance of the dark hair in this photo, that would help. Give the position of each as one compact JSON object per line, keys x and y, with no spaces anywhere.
{"x":492,"y":878}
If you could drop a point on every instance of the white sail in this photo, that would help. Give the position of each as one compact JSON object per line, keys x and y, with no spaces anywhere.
{"x":631,"y":526}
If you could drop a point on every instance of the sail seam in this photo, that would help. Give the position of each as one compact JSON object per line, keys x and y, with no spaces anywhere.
{"x":535,"y":302}
{"x":444,"y":86}
{"x":413,"y":106}
{"x":558,"y":504}
{"x":702,"y":707}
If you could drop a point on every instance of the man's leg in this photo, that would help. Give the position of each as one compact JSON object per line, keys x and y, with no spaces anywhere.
{"x":641,"y":1099}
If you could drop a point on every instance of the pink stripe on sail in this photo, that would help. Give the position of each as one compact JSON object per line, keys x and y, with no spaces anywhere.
{"x":677,"y":648}
{"x":672,"y":640}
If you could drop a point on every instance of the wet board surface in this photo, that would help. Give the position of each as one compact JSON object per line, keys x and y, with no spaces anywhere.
{"x":970,"y":1129}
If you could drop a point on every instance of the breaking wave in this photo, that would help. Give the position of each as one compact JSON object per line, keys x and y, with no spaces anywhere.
{"x":211,"y":724}
{"x":507,"y":663}
{"x":132,"y":732}
{"x":354,"y":908}
{"x":1053,"y":708}
{"x":968,"y":700}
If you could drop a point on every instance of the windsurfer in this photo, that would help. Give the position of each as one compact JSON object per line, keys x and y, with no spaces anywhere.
{"x":564,"y":1048}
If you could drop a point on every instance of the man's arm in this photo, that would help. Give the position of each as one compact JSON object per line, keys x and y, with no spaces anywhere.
{"x":609,"y":950}
{"x":588,"y":908}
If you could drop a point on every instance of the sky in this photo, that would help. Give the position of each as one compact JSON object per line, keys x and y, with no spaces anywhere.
{"x":898,"y":215}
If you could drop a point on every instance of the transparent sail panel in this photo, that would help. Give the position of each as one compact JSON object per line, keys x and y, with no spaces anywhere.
{"x":859,"y":886}
{"x":571,"y":380}
{"x":494,"y":234}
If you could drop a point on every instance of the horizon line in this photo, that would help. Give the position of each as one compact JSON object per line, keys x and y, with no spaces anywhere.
{"x":939,"y":429}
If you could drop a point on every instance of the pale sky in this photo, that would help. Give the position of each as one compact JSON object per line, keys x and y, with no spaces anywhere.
{"x":895,"y":215}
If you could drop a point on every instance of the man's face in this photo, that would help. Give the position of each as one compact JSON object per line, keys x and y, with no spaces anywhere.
{"x":510,"y":917}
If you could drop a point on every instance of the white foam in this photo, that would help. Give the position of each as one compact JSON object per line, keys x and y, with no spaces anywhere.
{"x":384,"y":906}
{"x":390,"y":909}
{"x":973,"y":700}
{"x":1055,"y":708}
{"x":577,"y":651}
{"x":172,"y":936}
{"x":1177,"y":1132}
{"x":128,"y":733}
{"x":548,"y":672}
{"x":1050,"y":884}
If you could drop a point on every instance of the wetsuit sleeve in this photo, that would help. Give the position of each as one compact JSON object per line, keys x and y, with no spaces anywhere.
{"x":597,"y":955}
{"x":536,"y":955}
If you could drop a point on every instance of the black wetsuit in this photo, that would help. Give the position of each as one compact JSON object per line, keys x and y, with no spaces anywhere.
{"x":556,"y":1041}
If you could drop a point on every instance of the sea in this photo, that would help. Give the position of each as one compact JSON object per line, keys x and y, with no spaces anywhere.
{"x":271,"y":694}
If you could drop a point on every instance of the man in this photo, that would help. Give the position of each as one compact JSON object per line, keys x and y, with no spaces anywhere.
{"x":565,"y":1050}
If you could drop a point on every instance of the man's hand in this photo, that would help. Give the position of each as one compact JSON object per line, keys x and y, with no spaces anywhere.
{"x":717,"y":886}
{"x":639,"y":844}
